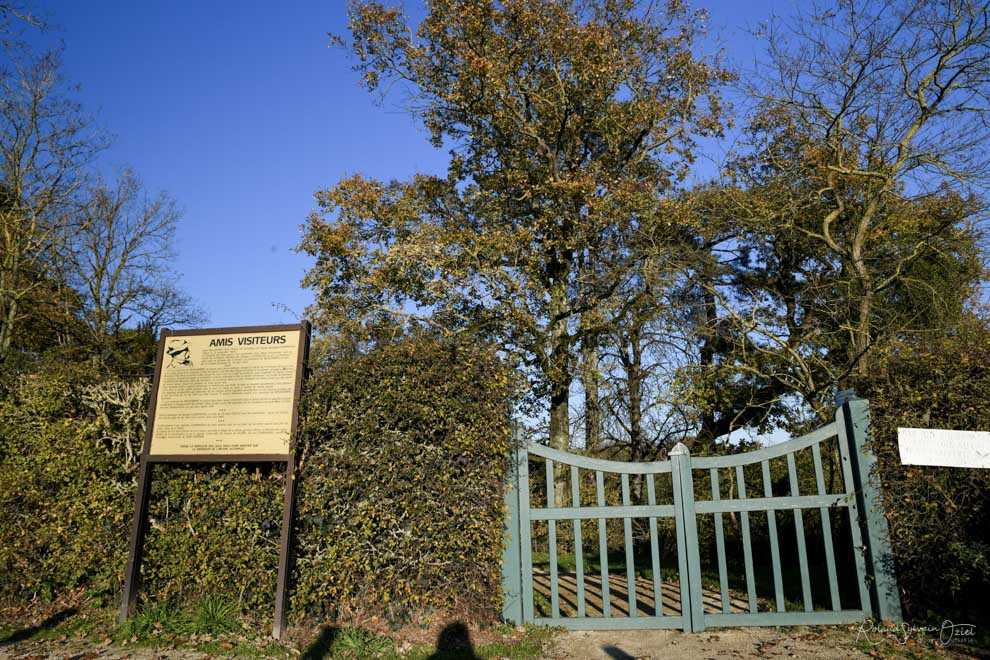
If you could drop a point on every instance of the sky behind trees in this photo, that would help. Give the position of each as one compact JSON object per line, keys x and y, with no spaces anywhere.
{"x":242,"y":111}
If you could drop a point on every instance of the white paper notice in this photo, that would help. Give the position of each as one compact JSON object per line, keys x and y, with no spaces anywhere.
{"x":967,"y":449}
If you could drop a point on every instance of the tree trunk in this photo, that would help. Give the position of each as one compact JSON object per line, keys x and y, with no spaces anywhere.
{"x":590,"y":377}
{"x":707,"y":433}
{"x":559,"y":431}
{"x":560,"y":435}
{"x":862,"y":338}
{"x":7,"y":330}
{"x":634,"y":381}
{"x":560,"y":376}
{"x":558,"y":371}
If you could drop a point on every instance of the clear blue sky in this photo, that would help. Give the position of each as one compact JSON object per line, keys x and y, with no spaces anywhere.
{"x":241,"y":111}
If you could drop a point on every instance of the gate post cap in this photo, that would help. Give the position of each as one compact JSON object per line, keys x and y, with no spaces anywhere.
{"x":680,"y":449}
{"x":843,"y":397}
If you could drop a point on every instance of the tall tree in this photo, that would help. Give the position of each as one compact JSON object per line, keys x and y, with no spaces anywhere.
{"x":645,"y":416}
{"x":869,"y":159}
{"x":851,"y":217}
{"x":120,"y":260}
{"x":566,"y":121}
{"x":45,"y":146}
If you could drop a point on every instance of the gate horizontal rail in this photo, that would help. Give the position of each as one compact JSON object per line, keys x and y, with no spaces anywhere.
{"x":603,"y":512}
{"x":771,"y":503}
{"x":774,"y":451}
{"x":599,"y":464}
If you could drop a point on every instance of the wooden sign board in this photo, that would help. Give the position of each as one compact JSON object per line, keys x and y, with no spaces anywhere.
{"x":226,"y":393}
{"x":939,"y":447}
{"x":223,"y":395}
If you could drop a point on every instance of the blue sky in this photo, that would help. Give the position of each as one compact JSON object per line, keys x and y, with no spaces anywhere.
{"x":241,"y":111}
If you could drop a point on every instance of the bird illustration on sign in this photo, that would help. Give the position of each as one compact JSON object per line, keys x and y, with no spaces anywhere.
{"x":178,"y":353}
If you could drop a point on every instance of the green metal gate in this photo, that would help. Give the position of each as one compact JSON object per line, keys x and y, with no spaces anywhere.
{"x":681,"y":492}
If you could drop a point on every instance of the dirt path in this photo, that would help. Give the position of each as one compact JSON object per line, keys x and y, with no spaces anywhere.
{"x":74,"y":650}
{"x":801,"y":642}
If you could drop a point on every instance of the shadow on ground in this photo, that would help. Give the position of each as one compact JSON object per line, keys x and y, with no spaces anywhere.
{"x":454,"y":643}
{"x":320,"y":647}
{"x":48,"y":624}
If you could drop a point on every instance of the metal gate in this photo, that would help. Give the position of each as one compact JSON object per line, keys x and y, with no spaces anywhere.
{"x":679,"y":493}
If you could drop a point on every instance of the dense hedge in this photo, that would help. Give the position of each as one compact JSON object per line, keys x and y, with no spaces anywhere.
{"x":66,"y":497}
{"x":68,"y":463}
{"x":939,"y":517}
{"x":214,"y":530}
{"x":399,"y":502}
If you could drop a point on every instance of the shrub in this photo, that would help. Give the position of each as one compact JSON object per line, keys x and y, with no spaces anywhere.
{"x":68,"y":469}
{"x":399,"y":507}
{"x":404,"y":459}
{"x":214,"y":529}
{"x":66,"y":500}
{"x":938,"y":516}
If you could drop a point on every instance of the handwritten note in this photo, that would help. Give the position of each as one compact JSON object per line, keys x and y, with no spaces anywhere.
{"x":966,"y":449}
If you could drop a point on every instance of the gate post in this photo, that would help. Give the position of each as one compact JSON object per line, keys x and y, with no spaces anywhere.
{"x":854,"y":414}
{"x":512,"y":608}
{"x":689,"y":559}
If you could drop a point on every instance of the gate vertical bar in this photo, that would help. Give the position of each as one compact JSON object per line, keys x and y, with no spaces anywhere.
{"x":630,"y":560}
{"x":525,"y":540}
{"x":747,"y":542}
{"x":511,"y":550}
{"x":578,"y":547}
{"x":692,"y":606}
{"x":778,"y":582}
{"x":723,"y":571}
{"x":833,"y":582}
{"x":552,"y":543}
{"x":854,"y":414}
{"x":849,"y":486}
{"x":651,"y":498}
{"x":682,"y":561}
{"x":799,"y":533}
{"x":603,"y":546}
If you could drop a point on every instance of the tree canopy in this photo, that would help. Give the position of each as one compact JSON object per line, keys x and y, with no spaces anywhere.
{"x":567,"y":123}
{"x":570,"y":227}
{"x":85,"y":266}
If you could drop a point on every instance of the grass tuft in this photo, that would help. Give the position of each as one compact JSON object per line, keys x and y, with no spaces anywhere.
{"x":360,"y":643}
{"x":215,"y":614}
{"x":212,"y":615}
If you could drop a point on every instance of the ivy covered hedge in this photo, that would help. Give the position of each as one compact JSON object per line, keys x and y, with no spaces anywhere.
{"x":399,"y":506}
{"x":66,"y":496}
{"x":938,"y":517}
{"x":400,"y":501}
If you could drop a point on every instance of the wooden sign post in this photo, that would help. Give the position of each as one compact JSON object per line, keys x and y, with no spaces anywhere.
{"x":223,"y":395}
